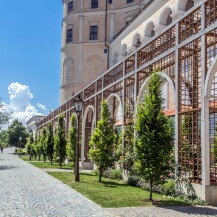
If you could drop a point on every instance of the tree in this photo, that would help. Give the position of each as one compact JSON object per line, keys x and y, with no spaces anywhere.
{"x":29,"y":146}
{"x":44,"y":144}
{"x":17,"y":134}
{"x":3,"y":138}
{"x":4,"y":116}
{"x":50,"y":143}
{"x":60,"y":141}
{"x":72,"y":139}
{"x":102,"y":142}
{"x":154,"y":141}
{"x":38,"y":147}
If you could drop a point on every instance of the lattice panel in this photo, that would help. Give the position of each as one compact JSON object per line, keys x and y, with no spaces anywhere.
{"x":99,"y":84}
{"x":213,"y":131}
{"x":88,"y":132}
{"x":114,"y":75}
{"x":129,"y":98}
{"x":190,"y":25}
{"x":211,"y":47}
{"x":130,"y":64}
{"x":190,"y":165}
{"x":160,"y":45}
{"x":189,"y":102}
{"x":211,"y":12}
{"x":98,"y":106}
{"x":190,"y":76}
{"x":89,"y":91}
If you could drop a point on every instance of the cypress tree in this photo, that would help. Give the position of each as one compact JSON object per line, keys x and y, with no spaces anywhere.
{"x":50,"y":144}
{"x":154,"y":142}
{"x":60,"y":141}
{"x":102,"y":142}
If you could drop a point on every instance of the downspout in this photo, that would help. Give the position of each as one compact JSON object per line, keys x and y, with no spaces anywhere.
{"x":106,"y":22}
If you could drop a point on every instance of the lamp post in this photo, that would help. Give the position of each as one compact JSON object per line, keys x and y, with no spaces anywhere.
{"x":30,"y":143}
{"x":78,"y":108}
{"x":20,"y":139}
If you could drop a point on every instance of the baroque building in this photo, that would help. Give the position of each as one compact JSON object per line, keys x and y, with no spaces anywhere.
{"x":178,"y":39}
{"x":88,"y":27}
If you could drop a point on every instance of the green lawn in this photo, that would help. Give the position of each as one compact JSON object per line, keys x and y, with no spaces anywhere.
{"x":112,"y":193}
{"x":44,"y":165}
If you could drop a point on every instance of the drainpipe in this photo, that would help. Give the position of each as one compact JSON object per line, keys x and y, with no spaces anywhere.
{"x":106,"y":22}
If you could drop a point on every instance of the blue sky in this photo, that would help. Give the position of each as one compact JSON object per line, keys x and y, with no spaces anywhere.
{"x":30,"y":43}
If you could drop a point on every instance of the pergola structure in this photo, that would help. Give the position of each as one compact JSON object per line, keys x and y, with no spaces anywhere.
{"x":185,"y":55}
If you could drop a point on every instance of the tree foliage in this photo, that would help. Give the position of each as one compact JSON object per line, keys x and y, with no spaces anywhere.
{"x":43,"y":144}
{"x":50,"y":143}
{"x":102,"y":141}
{"x":60,"y":141}
{"x":4,"y":116}
{"x":72,"y":139}
{"x":17,"y":134}
{"x":154,"y":142}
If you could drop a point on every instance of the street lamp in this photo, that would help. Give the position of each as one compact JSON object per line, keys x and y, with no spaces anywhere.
{"x":20,"y":139}
{"x":78,"y":108}
{"x":30,"y":143}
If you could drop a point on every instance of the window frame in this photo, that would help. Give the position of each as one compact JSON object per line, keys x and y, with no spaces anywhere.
{"x":70,"y":6}
{"x":69,"y":35}
{"x":94,"y":4}
{"x":93,"y":33}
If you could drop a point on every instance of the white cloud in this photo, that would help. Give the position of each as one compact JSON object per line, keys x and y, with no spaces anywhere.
{"x":20,"y":105}
{"x":41,"y":106}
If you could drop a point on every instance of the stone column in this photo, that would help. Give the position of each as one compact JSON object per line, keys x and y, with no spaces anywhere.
{"x":177,"y":101}
{"x":80,"y":49}
{"x":112,"y":26}
{"x":205,"y":149}
{"x":64,"y":28}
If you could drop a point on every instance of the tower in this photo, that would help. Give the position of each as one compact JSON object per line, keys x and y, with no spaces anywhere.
{"x":88,"y":27}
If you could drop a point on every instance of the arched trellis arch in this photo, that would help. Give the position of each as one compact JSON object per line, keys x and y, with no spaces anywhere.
{"x":210,"y":107}
{"x":147,"y":81}
{"x":87,"y":129}
{"x":115,"y":101}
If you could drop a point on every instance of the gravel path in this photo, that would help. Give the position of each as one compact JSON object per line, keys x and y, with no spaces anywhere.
{"x":27,"y":191}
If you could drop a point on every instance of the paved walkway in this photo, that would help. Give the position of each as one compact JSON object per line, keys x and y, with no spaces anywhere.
{"x":26,"y":191}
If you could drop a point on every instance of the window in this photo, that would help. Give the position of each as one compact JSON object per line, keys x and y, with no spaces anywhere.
{"x":69,"y":37}
{"x":70,"y":6}
{"x":110,"y":1}
{"x":93,"y":32}
{"x":129,"y":1}
{"x":94,"y":3}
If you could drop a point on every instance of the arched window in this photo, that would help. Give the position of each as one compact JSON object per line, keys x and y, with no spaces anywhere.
{"x":149,"y":29}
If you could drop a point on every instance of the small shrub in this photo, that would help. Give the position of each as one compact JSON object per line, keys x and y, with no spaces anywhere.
{"x":133,"y":181}
{"x":169,"y":187}
{"x":113,"y":173}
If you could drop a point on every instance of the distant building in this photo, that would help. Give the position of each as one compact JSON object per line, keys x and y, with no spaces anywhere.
{"x":31,"y":123}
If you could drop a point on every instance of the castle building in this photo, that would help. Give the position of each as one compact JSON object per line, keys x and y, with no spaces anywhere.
{"x":88,"y":28}
{"x":176,"y":38}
